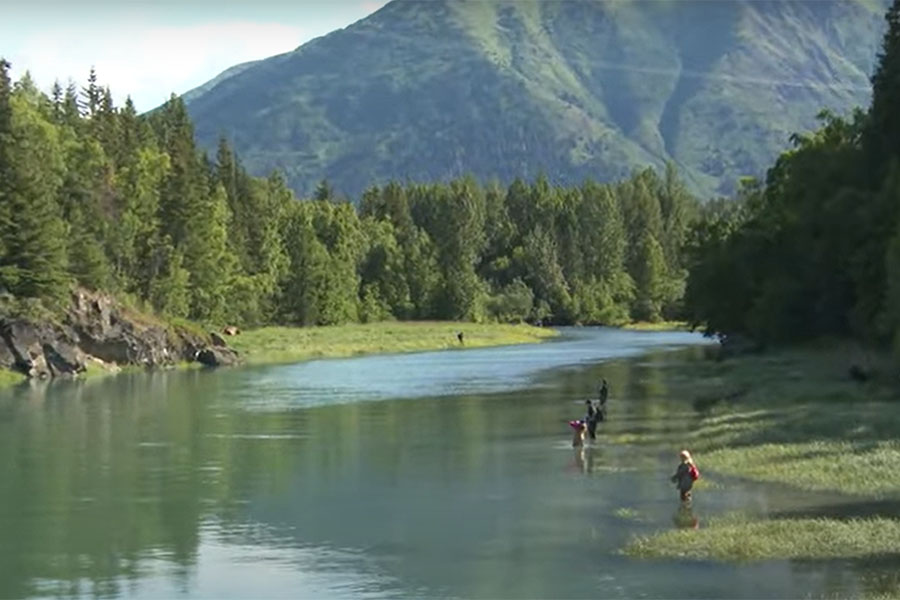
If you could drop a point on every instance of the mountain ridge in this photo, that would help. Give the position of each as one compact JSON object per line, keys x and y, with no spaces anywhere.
{"x":576,"y":89}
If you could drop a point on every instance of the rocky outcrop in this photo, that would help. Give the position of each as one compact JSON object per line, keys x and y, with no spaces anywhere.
{"x":97,"y":327}
{"x":217,"y":356}
{"x":40,"y":350}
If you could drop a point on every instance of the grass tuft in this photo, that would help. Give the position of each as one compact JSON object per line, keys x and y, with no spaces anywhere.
{"x":737,"y":538}
{"x":10,"y":378}
{"x":657,"y":326}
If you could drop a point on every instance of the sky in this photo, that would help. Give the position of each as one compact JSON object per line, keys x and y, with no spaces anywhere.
{"x":149,"y":49}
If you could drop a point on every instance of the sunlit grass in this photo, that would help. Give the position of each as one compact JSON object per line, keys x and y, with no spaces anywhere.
{"x":290,"y":344}
{"x":737,"y":538}
{"x":8,"y":378}
{"x":790,"y":416}
{"x":657,"y":326}
{"x":865,"y":468}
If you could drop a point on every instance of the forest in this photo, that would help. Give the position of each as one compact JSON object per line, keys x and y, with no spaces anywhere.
{"x":99,"y":196}
{"x":814,"y":250}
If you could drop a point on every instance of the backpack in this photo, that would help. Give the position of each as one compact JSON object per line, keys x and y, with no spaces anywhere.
{"x":694,"y":473}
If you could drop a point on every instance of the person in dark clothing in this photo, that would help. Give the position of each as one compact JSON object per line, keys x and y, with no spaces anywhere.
{"x":591,"y":419}
{"x":604,"y":394}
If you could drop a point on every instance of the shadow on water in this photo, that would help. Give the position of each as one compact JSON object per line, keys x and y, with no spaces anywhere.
{"x":330,"y":480}
{"x":851,"y":508}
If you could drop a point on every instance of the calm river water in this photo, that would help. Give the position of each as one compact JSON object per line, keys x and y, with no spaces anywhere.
{"x":443,"y":474}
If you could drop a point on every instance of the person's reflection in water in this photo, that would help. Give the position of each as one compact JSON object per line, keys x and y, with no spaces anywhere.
{"x":684,"y":517}
{"x":584,"y":459}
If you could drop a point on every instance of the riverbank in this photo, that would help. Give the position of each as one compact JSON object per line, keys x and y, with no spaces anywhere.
{"x":274,"y":345}
{"x":95,"y":333}
{"x":792,"y":417}
{"x":657,"y":326}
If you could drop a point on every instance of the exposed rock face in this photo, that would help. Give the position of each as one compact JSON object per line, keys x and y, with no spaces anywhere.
{"x":217,"y":356}
{"x":95,"y":326}
{"x":40,"y":351}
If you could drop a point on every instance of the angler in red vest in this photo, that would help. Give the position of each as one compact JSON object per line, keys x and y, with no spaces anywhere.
{"x":686,"y":475}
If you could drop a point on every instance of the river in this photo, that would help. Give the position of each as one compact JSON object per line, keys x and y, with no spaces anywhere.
{"x":432,"y":475}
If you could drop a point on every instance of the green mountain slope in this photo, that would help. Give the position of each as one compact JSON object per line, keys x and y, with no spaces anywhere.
{"x":504,"y":88}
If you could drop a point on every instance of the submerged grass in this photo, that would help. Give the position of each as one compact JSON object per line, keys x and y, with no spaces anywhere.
{"x":629,"y":514}
{"x":739,"y":538}
{"x":291,"y":344}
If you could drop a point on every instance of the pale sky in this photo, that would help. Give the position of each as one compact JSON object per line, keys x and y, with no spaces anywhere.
{"x":150,"y":48}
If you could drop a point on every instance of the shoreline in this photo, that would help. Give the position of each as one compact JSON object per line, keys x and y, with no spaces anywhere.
{"x":287,"y":345}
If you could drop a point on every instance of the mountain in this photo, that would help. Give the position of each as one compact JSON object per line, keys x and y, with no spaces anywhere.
{"x":428,"y":90}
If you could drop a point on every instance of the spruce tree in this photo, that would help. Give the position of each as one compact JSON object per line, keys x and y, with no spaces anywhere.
{"x":5,"y":157}
{"x":33,"y":262}
{"x":882,"y":137}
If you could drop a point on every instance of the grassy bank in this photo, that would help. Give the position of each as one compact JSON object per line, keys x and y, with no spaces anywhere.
{"x":791,"y":417}
{"x":741,"y":539}
{"x":290,"y":344}
{"x":657,"y":326}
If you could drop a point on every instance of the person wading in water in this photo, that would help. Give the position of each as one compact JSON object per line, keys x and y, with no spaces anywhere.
{"x":686,"y":475}
{"x":604,"y":394}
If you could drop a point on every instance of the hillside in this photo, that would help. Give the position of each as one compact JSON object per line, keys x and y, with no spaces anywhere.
{"x":506,"y":88}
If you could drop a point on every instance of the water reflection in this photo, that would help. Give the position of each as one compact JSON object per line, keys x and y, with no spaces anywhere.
{"x":684,"y":517}
{"x":269,"y":482}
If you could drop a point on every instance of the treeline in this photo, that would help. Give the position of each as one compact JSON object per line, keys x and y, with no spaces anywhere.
{"x":103,"y":197}
{"x":815,"y":250}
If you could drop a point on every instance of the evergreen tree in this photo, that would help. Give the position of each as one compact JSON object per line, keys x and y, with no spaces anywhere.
{"x":33,"y":262}
{"x":91,"y":95}
{"x":6,"y":158}
{"x":324,"y":191}
{"x":649,"y":277}
{"x":882,"y":139}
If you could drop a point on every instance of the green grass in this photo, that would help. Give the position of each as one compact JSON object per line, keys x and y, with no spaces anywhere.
{"x":657,"y":326}
{"x":290,"y":344}
{"x":737,"y":538}
{"x":867,"y":468}
{"x":8,"y":378}
{"x":790,"y":417}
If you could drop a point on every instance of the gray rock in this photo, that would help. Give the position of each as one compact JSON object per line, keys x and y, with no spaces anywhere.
{"x":24,"y":342}
{"x":7,"y":360}
{"x":216,"y":356}
{"x":217,"y":339}
{"x":64,"y":359}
